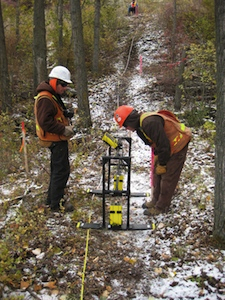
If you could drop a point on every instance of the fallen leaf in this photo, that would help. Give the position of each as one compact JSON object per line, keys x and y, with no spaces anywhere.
{"x":55,"y":292}
{"x":24,"y":284}
{"x":96,"y":259}
{"x":36,"y":251}
{"x":51,"y":285}
{"x":161,"y":225}
{"x":25,"y":246}
{"x":132,"y":261}
{"x":41,"y":210}
{"x":158,"y":270}
{"x":211,"y":258}
{"x":166,"y":257}
{"x":109,"y":288}
{"x":126,"y":259}
{"x":208,"y":198}
{"x":105,"y":294}
{"x":40,"y":256}
{"x":129,"y":260}
{"x":79,"y":274}
{"x":37,"y":287}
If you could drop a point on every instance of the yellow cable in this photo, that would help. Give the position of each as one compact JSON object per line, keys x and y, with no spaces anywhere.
{"x":86,"y":255}
{"x":85,"y":263}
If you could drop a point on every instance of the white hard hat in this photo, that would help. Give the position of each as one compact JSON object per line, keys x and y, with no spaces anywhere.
{"x":61,"y":73}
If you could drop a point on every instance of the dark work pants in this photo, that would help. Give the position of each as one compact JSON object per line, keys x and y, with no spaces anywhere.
{"x":131,"y":9}
{"x":60,"y":171}
{"x":165,"y":185}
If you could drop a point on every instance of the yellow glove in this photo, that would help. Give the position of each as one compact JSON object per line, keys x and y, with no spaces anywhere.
{"x":155,"y":159}
{"x":159,"y":170}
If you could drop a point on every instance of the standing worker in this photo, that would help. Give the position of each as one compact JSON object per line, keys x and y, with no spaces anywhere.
{"x":54,"y":130}
{"x":169,"y":140}
{"x":133,"y":8}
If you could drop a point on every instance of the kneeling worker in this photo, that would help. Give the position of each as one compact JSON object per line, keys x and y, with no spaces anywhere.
{"x":169,"y":140}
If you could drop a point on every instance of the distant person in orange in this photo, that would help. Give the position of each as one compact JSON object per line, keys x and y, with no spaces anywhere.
{"x":133,"y":8}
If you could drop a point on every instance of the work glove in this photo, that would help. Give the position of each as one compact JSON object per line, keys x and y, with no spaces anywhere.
{"x":155,"y":159}
{"x":159,"y":170}
{"x":68,"y":131}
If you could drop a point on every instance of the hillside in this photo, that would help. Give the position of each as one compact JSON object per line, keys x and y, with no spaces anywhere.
{"x":47,"y":257}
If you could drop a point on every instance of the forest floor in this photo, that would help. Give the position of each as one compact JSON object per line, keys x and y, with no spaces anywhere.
{"x":173,"y":257}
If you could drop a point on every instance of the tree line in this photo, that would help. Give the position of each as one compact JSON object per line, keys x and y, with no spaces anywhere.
{"x":43,"y":34}
{"x":40,"y":54}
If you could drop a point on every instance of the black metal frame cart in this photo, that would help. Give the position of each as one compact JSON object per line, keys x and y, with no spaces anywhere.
{"x":116,"y":160}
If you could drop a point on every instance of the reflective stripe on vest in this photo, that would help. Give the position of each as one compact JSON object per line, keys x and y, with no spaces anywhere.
{"x":177,"y":133}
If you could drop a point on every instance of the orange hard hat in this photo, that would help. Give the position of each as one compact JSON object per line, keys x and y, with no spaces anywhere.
{"x":122,"y":113}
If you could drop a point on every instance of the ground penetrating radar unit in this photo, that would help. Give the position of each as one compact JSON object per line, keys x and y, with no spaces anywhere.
{"x":116,"y":179}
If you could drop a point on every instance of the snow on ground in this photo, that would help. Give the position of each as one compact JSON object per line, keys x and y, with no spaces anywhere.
{"x":175,"y":266}
{"x":164,"y":278}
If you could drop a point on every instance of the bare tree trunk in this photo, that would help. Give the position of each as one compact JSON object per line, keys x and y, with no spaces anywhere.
{"x":178,"y":92}
{"x":5,"y":90}
{"x":80,"y":68}
{"x":173,"y":42}
{"x":60,"y":33}
{"x":95,"y":62}
{"x":17,"y":21}
{"x":39,"y":46}
{"x":219,"y":206}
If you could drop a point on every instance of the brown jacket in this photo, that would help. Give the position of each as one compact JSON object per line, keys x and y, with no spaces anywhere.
{"x":152,"y":127}
{"x":50,"y":121}
{"x":168,"y":137}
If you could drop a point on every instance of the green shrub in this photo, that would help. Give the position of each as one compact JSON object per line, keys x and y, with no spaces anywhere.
{"x":24,"y":233}
{"x":196,"y":116}
{"x":10,"y":139}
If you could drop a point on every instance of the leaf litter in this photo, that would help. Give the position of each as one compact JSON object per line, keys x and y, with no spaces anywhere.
{"x":174,"y":260}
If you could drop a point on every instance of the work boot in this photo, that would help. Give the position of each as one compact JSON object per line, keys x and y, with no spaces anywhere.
{"x":154,"y":211}
{"x":47,"y":202}
{"x":148,"y":204}
{"x":55,"y":209}
{"x":68,"y":207}
{"x":63,"y":207}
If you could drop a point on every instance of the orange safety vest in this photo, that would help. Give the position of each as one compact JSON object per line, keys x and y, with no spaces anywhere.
{"x":59,"y":117}
{"x":177,"y":133}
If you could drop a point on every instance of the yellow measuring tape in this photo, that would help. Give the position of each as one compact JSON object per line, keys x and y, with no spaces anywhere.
{"x":86,"y":253}
{"x":85,"y":263}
